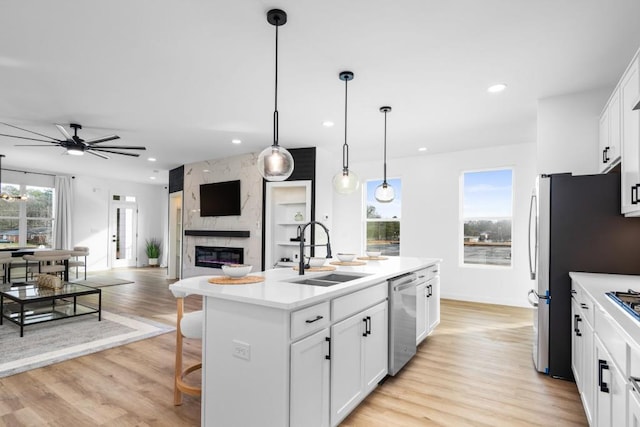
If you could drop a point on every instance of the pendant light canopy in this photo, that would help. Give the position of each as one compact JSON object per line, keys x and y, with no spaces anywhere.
{"x":345,"y":181}
{"x":385,"y":193}
{"x":275,"y":163}
{"x":5,"y":196}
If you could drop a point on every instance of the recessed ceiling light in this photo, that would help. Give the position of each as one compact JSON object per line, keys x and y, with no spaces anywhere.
{"x":236,"y":141}
{"x":152,"y":177}
{"x":497,"y":88}
{"x":327,"y":123}
{"x":422,"y":149}
{"x":205,"y":170}
{"x":151,"y":159}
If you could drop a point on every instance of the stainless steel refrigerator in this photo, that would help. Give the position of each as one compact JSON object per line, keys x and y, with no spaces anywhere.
{"x":574,"y":225}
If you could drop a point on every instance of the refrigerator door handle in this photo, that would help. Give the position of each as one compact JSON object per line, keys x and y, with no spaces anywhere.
{"x":538,"y":297}
{"x":533,"y":260}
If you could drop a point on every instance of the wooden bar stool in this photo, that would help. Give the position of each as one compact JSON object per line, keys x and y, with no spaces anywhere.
{"x":188,"y":325}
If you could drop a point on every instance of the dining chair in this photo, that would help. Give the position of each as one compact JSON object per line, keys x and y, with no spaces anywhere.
{"x":48,"y":262}
{"x":188,"y":325}
{"x":5,"y":264}
{"x":76,"y":261}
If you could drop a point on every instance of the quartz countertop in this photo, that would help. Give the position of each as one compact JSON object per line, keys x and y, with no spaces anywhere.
{"x":276,"y":291}
{"x":598,"y":284}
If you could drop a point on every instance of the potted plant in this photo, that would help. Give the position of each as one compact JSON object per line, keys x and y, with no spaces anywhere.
{"x":153,"y":251}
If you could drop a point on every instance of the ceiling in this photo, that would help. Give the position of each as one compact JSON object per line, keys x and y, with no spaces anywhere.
{"x":184,"y":78}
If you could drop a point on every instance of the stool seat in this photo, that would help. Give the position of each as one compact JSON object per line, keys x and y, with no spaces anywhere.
{"x":191,"y":325}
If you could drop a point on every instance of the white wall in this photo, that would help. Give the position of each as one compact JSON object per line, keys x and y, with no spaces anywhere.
{"x":568,"y":132}
{"x":430,"y":219}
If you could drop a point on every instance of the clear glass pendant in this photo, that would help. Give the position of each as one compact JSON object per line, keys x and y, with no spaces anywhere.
{"x":275,"y":163}
{"x":346,"y":182}
{"x":385,"y":193}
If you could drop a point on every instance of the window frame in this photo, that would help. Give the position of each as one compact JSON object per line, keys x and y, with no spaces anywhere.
{"x":366,"y":220}
{"x":22,"y":217}
{"x":461,"y":219}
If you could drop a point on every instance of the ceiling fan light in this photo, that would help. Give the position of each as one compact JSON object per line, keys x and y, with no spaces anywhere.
{"x":385,"y":193}
{"x":275,"y":163}
{"x":75,"y":151}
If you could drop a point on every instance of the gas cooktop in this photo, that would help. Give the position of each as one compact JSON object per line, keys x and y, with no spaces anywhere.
{"x":629,"y":300}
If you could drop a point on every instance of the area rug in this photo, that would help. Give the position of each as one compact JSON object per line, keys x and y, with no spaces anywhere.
{"x":99,"y":281}
{"x":52,"y":342}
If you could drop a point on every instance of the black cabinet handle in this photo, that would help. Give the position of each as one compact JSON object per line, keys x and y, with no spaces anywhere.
{"x":368,"y":325}
{"x":634,"y":194}
{"x":584,"y":306}
{"x":318,"y":317}
{"x":364,"y":334}
{"x":606,"y":154}
{"x":576,"y":329}
{"x":602,"y":365}
{"x":328,"y":356}
{"x":430,"y":291}
{"x":573,"y":291}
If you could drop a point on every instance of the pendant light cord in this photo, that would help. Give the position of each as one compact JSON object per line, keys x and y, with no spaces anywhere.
{"x":275,"y":111}
{"x":345,"y":147}
{"x":384,"y":182}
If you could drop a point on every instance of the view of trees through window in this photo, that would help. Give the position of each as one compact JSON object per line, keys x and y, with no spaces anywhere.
{"x":486,"y":216}
{"x":383,"y":219}
{"x":27,"y":223}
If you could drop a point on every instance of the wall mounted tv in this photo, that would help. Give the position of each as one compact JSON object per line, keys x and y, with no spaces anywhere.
{"x":220,"y":198}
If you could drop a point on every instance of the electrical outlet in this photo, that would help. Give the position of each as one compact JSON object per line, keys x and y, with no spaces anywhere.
{"x":241,"y":350}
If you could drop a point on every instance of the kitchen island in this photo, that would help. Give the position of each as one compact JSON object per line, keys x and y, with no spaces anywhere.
{"x":278,"y":353}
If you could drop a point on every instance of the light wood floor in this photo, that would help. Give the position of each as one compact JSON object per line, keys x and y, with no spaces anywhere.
{"x":474,"y":370}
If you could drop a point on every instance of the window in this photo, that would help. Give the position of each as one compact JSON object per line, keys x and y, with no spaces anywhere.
{"x":383,"y":219}
{"x":486,"y":217}
{"x":27,"y":223}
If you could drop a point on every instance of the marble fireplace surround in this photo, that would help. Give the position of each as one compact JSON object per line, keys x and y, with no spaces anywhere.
{"x":242,"y":231}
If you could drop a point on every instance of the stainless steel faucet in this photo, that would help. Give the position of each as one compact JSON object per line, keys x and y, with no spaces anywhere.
{"x":301,"y":265}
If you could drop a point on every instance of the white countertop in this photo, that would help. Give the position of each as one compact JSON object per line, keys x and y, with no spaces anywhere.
{"x":597,"y":285}
{"x":276,"y":292}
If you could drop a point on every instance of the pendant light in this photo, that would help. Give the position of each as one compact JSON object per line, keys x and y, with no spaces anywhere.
{"x":275,"y":163}
{"x":345,"y":181}
{"x":385,"y":193}
{"x":5,"y":196}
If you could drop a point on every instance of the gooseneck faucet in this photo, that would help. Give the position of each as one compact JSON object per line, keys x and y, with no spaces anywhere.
{"x":302,"y":245}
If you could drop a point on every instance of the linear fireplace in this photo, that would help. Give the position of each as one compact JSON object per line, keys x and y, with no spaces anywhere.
{"x":216,"y":257}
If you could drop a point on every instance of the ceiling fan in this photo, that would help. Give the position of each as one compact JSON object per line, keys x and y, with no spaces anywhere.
{"x":76,"y":145}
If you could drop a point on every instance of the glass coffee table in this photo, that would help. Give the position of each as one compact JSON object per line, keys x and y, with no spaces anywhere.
{"x":26,"y":303}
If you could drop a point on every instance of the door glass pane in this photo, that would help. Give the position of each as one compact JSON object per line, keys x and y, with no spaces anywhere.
{"x":124,"y":233}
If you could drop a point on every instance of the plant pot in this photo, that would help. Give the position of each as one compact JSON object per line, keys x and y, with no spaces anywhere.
{"x":153,"y":262}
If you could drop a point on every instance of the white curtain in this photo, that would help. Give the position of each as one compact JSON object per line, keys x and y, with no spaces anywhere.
{"x":63,"y":224}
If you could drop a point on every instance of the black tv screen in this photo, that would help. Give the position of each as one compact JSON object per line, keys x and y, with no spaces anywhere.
{"x":220,"y":199}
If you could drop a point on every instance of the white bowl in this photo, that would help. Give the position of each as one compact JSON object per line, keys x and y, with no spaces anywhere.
{"x":373,"y":254}
{"x":345,"y":257}
{"x":316,"y":261}
{"x":236,"y":270}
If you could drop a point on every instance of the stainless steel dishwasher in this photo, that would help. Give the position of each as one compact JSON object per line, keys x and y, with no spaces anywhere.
{"x":402,"y":320}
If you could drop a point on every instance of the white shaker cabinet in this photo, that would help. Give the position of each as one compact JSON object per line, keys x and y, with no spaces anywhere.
{"x":633,"y":411}
{"x":433,"y":300}
{"x":582,"y":350}
{"x":611,"y":389}
{"x":358,"y":358}
{"x":609,"y":135}
{"x":310,"y":366}
{"x":630,"y":128}
{"x":422,"y":317}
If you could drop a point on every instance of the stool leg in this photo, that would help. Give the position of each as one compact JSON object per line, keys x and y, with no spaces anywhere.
{"x":177,"y":394}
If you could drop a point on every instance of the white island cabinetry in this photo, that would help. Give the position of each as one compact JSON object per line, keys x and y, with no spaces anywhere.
{"x":280,"y":353}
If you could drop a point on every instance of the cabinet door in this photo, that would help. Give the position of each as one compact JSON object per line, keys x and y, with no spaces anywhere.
{"x":376,"y":345}
{"x":422,"y":319}
{"x":309,"y":396}
{"x":615,"y":134}
{"x":603,"y":140}
{"x":588,"y":369}
{"x":346,"y":366}
{"x":576,"y":344}
{"x":610,"y":390}
{"x":434,"y":304}
{"x":630,"y":123}
{"x":633,"y":411}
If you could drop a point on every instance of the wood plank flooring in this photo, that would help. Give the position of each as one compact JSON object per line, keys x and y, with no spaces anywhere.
{"x":474,"y":370}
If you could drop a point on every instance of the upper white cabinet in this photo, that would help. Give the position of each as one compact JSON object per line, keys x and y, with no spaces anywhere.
{"x":287,"y":207}
{"x":630,"y":123}
{"x":609,"y":138}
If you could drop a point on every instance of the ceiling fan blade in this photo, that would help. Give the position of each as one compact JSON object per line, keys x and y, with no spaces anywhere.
{"x":97,"y":154}
{"x":35,"y":145}
{"x":64,"y":132}
{"x":123,"y":147}
{"x":103,"y":139}
{"x":30,"y":131}
{"x":32,"y":139}
{"x":114,"y":152}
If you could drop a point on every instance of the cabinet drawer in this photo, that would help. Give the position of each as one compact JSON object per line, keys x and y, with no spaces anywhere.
{"x":428,"y":273}
{"x":349,"y":304}
{"x":611,"y":337}
{"x":634,"y":361}
{"x":309,"y":320}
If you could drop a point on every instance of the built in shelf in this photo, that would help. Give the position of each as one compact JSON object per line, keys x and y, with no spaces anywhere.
{"x":217,"y":233}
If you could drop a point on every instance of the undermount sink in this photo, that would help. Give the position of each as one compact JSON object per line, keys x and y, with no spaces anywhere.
{"x":328,"y":279}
